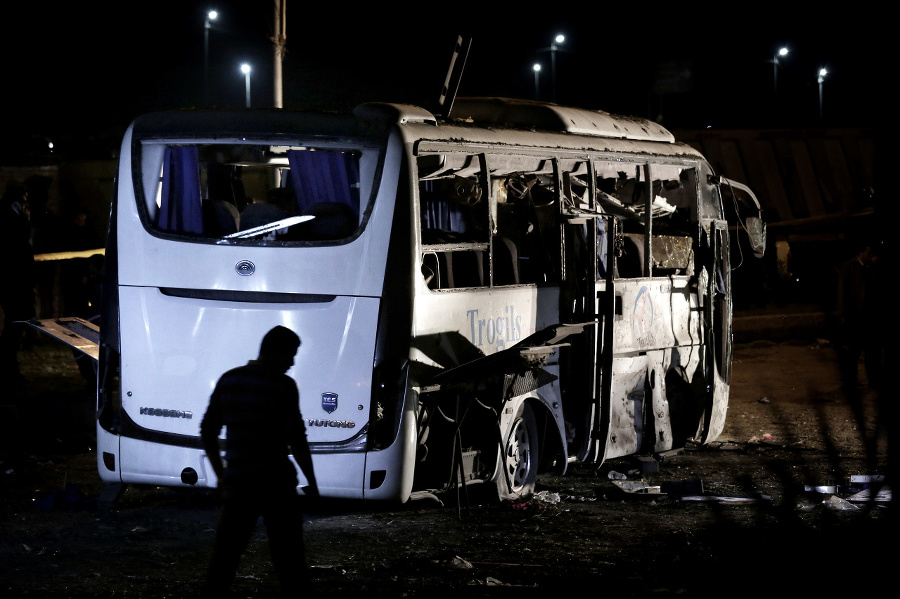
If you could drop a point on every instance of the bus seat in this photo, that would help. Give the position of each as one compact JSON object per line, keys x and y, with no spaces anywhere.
{"x":220,"y":217}
{"x":258,"y":214}
{"x":333,"y":220}
{"x":506,"y":261}
{"x":467,"y":268}
{"x":437,"y":268}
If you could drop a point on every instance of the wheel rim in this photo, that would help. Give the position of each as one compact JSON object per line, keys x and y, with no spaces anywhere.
{"x":518,"y":455}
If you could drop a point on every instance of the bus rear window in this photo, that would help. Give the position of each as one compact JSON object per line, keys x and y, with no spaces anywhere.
{"x":254,"y":193}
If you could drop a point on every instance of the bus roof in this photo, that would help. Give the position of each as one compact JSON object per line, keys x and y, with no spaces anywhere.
{"x":527,"y":115}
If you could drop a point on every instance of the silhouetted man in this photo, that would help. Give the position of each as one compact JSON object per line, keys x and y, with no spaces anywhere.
{"x":857,"y":305}
{"x":259,"y":406}
{"x":19,"y":278}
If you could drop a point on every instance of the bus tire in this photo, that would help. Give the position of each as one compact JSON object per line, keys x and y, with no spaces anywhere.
{"x":519,"y":457}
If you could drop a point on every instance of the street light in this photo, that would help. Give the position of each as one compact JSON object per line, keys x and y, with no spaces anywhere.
{"x":245,"y":69}
{"x":821,"y":78}
{"x":537,"y":88}
{"x":553,"y":48}
{"x":782,"y":52}
{"x":210,"y":16}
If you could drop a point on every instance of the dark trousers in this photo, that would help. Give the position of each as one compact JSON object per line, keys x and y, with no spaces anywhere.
{"x":280,"y":510}
{"x":16,"y":307}
{"x":863,"y":340}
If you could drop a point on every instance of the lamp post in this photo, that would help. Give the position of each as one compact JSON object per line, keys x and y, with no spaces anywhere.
{"x":553,"y":48}
{"x":279,"y":40}
{"x":245,"y":69}
{"x":537,"y":88}
{"x":210,"y":16}
{"x":821,"y":79}
{"x":782,"y":52}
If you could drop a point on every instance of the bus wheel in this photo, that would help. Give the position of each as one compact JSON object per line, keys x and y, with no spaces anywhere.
{"x":519,"y":461}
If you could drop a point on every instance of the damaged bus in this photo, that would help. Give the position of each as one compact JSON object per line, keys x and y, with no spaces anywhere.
{"x":481,"y":297}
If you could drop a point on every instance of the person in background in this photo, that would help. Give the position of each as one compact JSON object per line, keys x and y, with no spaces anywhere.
{"x":76,"y":276}
{"x":258,"y":404}
{"x":858,"y":295}
{"x":17,"y":295}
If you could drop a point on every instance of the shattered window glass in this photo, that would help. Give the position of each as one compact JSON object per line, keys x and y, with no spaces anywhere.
{"x":623,"y":193}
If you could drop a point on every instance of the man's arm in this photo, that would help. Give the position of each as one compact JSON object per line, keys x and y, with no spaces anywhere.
{"x":210,"y":427}
{"x":299,"y":445}
{"x":300,"y":449}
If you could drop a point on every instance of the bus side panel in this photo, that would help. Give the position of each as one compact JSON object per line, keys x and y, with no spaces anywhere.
{"x":469,"y":323}
{"x":657,"y":331}
{"x":108,"y":445}
{"x":338,"y":474}
{"x":157,"y":464}
{"x":153,"y":463}
{"x":175,"y":353}
{"x":389,"y":473}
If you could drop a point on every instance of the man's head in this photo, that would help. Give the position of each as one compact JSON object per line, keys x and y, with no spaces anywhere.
{"x":278,"y":348}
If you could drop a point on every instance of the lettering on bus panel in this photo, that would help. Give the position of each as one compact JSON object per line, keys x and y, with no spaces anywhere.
{"x":166,"y":413}
{"x":495,"y":330}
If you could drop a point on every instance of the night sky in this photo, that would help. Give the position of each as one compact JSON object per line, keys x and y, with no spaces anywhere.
{"x":78,"y":73}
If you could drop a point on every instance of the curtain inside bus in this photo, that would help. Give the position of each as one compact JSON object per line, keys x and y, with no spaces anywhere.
{"x":324,"y":177}
{"x":180,"y":209}
{"x":439,"y":212}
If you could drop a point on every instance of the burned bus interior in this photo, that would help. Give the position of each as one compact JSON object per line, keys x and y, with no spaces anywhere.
{"x":504,"y":229}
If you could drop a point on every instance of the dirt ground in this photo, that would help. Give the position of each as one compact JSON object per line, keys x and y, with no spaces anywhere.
{"x":740,"y":517}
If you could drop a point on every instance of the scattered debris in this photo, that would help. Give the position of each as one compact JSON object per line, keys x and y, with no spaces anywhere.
{"x":828,"y":489}
{"x":724,"y":500}
{"x":838,"y":504}
{"x":458,"y":563}
{"x":882,"y":495}
{"x":638,"y":487}
{"x":546,"y":497}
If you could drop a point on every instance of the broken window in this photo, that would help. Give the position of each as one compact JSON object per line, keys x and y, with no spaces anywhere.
{"x":453,"y":209}
{"x":624,"y":193}
{"x":481,"y":229}
{"x":526,"y":232}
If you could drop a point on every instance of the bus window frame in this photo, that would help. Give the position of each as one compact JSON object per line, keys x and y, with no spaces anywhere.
{"x":360,"y":145}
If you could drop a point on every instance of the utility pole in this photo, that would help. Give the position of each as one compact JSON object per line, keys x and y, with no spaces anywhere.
{"x":279,"y":40}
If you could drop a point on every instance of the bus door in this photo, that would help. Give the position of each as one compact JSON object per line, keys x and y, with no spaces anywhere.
{"x":578,"y":292}
{"x":719,"y":333}
{"x":714,"y":278}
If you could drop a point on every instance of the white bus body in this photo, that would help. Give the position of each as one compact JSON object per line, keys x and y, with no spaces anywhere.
{"x":479,"y":297}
